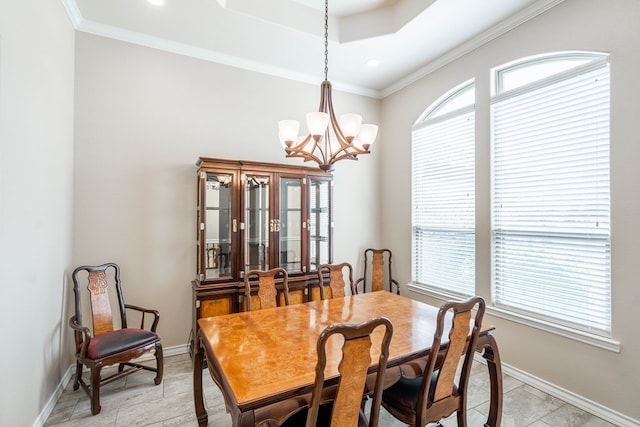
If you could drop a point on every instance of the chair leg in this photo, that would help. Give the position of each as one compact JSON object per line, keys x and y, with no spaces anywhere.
{"x":462,"y":418}
{"x":76,"y":382}
{"x":159,"y":364}
{"x":95,"y":389}
{"x":363,"y":403}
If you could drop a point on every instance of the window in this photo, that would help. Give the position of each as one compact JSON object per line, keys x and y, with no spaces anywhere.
{"x":443,"y":194}
{"x":550,"y":189}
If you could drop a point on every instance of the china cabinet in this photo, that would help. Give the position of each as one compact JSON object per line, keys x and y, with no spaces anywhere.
{"x":258,"y":216}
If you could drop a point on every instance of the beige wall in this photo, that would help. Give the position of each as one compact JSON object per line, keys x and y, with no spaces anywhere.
{"x":36,"y":161}
{"x":143,"y":117}
{"x":606,"y":377}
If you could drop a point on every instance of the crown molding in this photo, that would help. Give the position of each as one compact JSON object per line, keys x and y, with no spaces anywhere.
{"x":116,"y":33}
{"x":96,"y":28}
{"x":73,"y":12}
{"x":478,"y":41}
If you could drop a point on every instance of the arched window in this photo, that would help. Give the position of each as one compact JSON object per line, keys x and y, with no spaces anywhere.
{"x":550,"y":190}
{"x":443,"y":196}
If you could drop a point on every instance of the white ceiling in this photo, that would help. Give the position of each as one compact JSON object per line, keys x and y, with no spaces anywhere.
{"x":286,"y":37}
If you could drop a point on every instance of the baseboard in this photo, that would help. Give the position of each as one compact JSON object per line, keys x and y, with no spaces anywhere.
{"x":574,"y":399}
{"x":51,"y":403}
{"x":68,"y":375}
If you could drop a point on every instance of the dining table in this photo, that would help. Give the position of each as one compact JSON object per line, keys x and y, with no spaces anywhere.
{"x":263,"y":357}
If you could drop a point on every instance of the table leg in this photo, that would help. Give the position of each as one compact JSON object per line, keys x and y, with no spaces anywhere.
{"x":245,"y":419}
{"x":198,"y":398}
{"x":489,"y":348}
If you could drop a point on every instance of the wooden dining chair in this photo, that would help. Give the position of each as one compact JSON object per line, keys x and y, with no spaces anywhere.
{"x":436,"y":394}
{"x":377,"y":272}
{"x":336,"y":280}
{"x":267,"y":290}
{"x":341,"y":406}
{"x":110,"y":340}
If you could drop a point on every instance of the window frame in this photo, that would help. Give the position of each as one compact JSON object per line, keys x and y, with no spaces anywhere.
{"x":432,"y":116}
{"x":539,"y":321}
{"x":486,"y":289}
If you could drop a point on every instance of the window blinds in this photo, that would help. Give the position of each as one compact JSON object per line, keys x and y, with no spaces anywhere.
{"x":444,"y":202}
{"x":550,"y":207}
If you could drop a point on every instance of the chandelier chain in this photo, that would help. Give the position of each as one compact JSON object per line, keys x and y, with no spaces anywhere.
{"x":326,"y":39}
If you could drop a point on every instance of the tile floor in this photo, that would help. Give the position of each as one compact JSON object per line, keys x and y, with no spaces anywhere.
{"x":136,"y":401}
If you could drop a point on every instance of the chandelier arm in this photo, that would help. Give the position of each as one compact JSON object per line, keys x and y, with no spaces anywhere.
{"x":300,"y":147}
{"x":348,"y":156}
{"x":332,"y":117}
{"x":325,"y":101}
{"x":346,"y":149}
{"x":298,"y":150}
{"x":327,"y":152}
{"x":343,"y":153}
{"x":351,"y":150}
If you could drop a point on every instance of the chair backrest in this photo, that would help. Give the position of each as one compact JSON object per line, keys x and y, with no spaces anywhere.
{"x":356,"y":359}
{"x":336,"y":280}
{"x":377,"y":272}
{"x":267,"y":291}
{"x":101,"y":282}
{"x":440,"y":397}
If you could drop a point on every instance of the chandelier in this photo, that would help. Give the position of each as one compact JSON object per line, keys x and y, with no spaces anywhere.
{"x":328,"y":140}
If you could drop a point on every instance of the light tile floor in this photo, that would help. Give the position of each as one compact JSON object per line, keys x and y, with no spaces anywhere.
{"x":136,"y":401}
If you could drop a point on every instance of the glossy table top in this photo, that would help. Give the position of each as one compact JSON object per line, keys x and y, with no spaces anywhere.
{"x":270,"y":353}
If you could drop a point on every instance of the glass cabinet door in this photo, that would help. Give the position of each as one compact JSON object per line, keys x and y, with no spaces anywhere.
{"x":289,"y":224}
{"x":258,"y":216}
{"x":256,"y":222}
{"x":319,"y":224}
{"x":218,"y":225}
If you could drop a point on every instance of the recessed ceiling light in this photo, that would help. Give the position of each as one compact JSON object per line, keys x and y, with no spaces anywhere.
{"x":373,"y":63}
{"x":156,"y":2}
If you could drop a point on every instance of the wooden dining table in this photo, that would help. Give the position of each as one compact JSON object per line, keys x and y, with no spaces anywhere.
{"x":262,"y":357}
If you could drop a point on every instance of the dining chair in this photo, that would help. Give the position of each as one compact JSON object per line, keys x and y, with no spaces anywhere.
{"x":336,"y":283}
{"x":377,"y":272}
{"x":436,"y":394}
{"x":341,"y":406}
{"x":109,"y":341}
{"x":267,"y":290}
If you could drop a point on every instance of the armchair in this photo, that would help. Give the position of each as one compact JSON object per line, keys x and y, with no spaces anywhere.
{"x":107,"y":343}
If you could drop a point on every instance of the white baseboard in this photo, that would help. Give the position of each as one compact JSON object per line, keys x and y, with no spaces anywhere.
{"x":51,"y":403}
{"x":574,"y":399}
{"x":68,"y":375}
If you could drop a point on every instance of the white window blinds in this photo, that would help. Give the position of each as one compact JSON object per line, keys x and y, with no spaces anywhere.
{"x":550,"y":207}
{"x":444,"y":202}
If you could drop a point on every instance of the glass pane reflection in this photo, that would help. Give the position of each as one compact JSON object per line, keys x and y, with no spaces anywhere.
{"x":218,"y":225}
{"x":319,"y":223}
{"x":256,"y":250}
{"x":290,"y":225}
